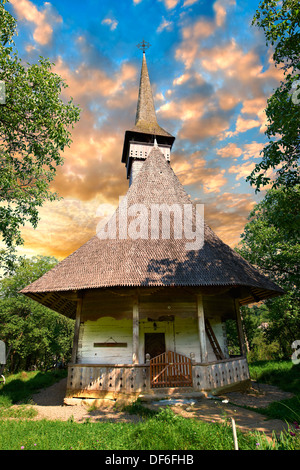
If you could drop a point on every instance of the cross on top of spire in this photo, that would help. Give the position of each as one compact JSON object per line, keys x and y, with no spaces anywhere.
{"x":143,"y":45}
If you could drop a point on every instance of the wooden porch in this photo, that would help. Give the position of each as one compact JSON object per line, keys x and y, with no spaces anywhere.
{"x":113,"y":381}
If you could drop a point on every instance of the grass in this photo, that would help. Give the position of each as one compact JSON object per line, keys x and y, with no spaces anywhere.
{"x":164,"y":431}
{"x":283,"y":374}
{"x":19,"y":388}
{"x":286,"y":376}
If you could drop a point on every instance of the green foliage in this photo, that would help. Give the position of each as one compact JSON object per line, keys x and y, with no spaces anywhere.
{"x":34,"y":129}
{"x":287,"y":440}
{"x":271,"y":242}
{"x":271,"y":239}
{"x":262,"y":350}
{"x":35,"y":335}
{"x":280,"y":22}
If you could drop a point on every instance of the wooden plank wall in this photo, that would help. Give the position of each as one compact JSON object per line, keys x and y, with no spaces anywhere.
{"x":105,"y":330}
{"x":109,"y":317}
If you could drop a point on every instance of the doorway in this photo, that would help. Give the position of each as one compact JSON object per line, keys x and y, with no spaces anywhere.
{"x":155,"y":344}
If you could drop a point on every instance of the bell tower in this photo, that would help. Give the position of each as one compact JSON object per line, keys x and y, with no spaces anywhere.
{"x":146,"y":132}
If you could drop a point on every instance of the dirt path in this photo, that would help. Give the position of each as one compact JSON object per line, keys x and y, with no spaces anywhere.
{"x":49,"y":405}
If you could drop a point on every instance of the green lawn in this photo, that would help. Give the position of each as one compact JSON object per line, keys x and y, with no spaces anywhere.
{"x":286,"y":376}
{"x":165,"y":431}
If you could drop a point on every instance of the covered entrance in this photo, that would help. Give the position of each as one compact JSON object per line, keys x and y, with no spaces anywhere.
{"x":170,"y":370}
{"x":155,"y":344}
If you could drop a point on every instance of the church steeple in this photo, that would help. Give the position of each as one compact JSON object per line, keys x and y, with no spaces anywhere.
{"x":140,"y":139}
{"x":145,"y":114}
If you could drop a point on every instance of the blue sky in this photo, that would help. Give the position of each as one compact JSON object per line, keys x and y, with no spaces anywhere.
{"x":211,"y":74}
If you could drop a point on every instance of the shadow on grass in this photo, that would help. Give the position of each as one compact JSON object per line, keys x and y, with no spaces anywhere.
{"x":286,"y":376}
{"x":20,"y":387}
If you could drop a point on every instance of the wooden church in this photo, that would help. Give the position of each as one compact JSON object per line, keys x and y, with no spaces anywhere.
{"x":150,"y":314}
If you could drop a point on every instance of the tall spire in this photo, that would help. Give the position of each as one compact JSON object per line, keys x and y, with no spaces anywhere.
{"x":145,"y":120}
{"x":146,"y":131}
{"x":145,"y":115}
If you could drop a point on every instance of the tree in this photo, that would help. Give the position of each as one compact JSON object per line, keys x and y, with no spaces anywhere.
{"x":280,"y":21}
{"x":271,"y":242}
{"x":35,"y":335}
{"x":34,"y":131}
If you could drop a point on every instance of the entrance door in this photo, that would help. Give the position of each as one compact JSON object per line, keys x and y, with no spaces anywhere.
{"x":154,"y":344}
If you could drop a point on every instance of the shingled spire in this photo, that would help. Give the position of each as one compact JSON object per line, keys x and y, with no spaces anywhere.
{"x":140,"y":139}
{"x":145,"y":119}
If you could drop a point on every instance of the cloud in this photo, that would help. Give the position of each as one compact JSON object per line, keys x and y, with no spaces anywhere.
{"x":170,"y":4}
{"x":194,"y":33}
{"x":168,"y":25}
{"x":239,"y":81}
{"x":91,"y":81}
{"x":238,"y":78}
{"x":93,"y":165}
{"x":243,"y":170}
{"x":221,"y":7}
{"x":193,"y":105}
{"x":231,"y":150}
{"x":252,"y":150}
{"x":227,"y":215}
{"x":111,"y":23}
{"x":188,"y":3}
{"x":247,"y":151}
{"x":64,"y":226}
{"x":212,"y":125}
{"x":243,"y":125}
{"x":188,"y":50}
{"x":43,"y":20}
{"x":195,"y":172}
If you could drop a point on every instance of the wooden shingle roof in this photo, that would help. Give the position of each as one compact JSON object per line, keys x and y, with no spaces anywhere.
{"x":145,"y":262}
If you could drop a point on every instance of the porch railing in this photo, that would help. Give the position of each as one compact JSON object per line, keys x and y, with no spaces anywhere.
{"x":96,"y":380}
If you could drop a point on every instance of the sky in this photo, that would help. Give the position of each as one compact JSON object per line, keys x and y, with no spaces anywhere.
{"x":211,"y":75}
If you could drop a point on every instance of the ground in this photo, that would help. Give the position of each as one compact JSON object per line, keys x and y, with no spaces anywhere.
{"x":49,"y":404}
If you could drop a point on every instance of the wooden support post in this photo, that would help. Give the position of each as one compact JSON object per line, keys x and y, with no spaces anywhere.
{"x":201,"y":329}
{"x":77,"y":326}
{"x":135,"y":331}
{"x":240,"y":328}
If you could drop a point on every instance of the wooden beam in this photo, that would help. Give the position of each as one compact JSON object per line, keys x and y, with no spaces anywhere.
{"x":240,"y":328}
{"x":135,"y":331}
{"x":201,"y":329}
{"x":77,"y":326}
